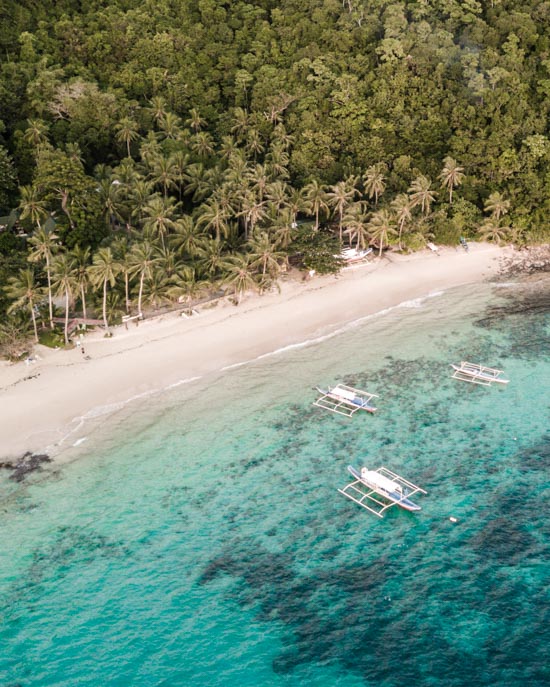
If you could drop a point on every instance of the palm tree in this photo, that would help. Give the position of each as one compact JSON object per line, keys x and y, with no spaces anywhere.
{"x":81,"y":261}
{"x":211,"y":258}
{"x":259,"y":180}
{"x":126,"y":172}
{"x":163,"y":173}
{"x":264,"y":253}
{"x":74,"y":152}
{"x":214,"y":217}
{"x":277,"y":194}
{"x":339,"y":197}
{"x":283,"y":229}
{"x":170,"y":125}
{"x":381,"y":228}
{"x":489,"y":231}
{"x":401,"y":207}
{"x":240,"y":275}
{"x":158,"y":107}
{"x":44,"y":246}
{"x":140,"y":195}
{"x":158,"y":216}
{"x":228,"y":147}
{"x":195,"y":121}
{"x":127,"y":130}
{"x":64,"y":282}
{"x":149,"y":148}
{"x":180,"y":161}
{"x":155,"y":289}
{"x":297,"y":202}
{"x":202,"y":144}
{"x":187,"y":237}
{"x":224,"y":195}
{"x":356,"y":224}
{"x":142,"y":261}
{"x":421,"y":193}
{"x":26,"y":292}
{"x":252,"y":212}
{"x":103,"y":273}
{"x":254,"y":143}
{"x":316,"y":198}
{"x":185,"y":285}
{"x":497,"y":205}
{"x":451,"y":176}
{"x":277,"y":161}
{"x":241,"y":123}
{"x":109,"y":194}
{"x":375,"y":181}
{"x":121,"y":248}
{"x":36,"y":133}
{"x":198,"y":182}
{"x":31,"y":206}
{"x":281,"y":137}
{"x":170,"y":262}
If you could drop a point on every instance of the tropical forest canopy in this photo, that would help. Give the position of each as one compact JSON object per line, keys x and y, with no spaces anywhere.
{"x":153,"y":150}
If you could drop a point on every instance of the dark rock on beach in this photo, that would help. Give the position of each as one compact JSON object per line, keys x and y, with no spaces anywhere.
{"x":27,"y":463}
{"x":532,"y":260}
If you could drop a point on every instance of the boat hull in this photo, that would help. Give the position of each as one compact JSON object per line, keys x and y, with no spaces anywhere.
{"x":355,"y":401}
{"x":479,"y":375}
{"x":394,"y":496}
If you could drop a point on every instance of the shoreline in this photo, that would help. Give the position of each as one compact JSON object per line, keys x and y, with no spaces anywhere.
{"x":43,"y":403}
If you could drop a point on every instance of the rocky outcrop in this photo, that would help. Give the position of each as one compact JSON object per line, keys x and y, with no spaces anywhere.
{"x":28,"y":462}
{"x":532,"y":260}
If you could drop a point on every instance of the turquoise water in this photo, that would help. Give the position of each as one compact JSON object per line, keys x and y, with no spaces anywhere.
{"x":199,"y":538}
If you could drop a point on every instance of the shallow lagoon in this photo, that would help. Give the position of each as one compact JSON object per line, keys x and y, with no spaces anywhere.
{"x":199,"y":538}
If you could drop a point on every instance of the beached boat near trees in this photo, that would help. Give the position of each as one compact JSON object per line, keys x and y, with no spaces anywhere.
{"x":380,"y":489}
{"x":478,"y":374}
{"x":345,"y":400}
{"x":352,"y":255}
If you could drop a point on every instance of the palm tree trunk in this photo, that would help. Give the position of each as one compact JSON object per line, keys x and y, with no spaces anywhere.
{"x":31,"y":304}
{"x":141,"y":280}
{"x":83,"y":299}
{"x":50,"y":302}
{"x":66,"y":317}
{"x":105,"y":305}
{"x":126,"y":292}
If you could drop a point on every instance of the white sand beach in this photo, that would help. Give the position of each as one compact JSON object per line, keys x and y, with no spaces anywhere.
{"x":41,"y":401}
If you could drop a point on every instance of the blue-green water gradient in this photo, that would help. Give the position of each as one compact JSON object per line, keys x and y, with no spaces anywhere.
{"x":199,"y":538}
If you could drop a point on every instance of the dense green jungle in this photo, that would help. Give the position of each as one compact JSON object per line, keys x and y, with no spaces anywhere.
{"x":156,"y":153}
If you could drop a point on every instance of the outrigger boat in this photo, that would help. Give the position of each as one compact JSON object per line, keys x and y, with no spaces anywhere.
{"x":380,"y":484}
{"x":477,"y":374}
{"x":351,"y":255}
{"x":345,"y":400}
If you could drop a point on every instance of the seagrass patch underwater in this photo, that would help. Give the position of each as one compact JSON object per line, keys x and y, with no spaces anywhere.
{"x":203,"y":541}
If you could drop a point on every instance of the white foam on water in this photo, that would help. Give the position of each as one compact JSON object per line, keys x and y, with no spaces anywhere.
{"x":415,"y":303}
{"x":180,"y":382}
{"x":112,"y":408}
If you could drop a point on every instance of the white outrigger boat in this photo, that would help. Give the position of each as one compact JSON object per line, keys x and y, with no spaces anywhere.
{"x":381,"y":484}
{"x":345,"y":400}
{"x":478,"y":374}
{"x":351,"y":255}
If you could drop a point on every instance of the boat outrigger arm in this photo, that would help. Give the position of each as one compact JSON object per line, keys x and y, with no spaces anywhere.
{"x":477,"y":374}
{"x":345,"y":400}
{"x":380,"y":487}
